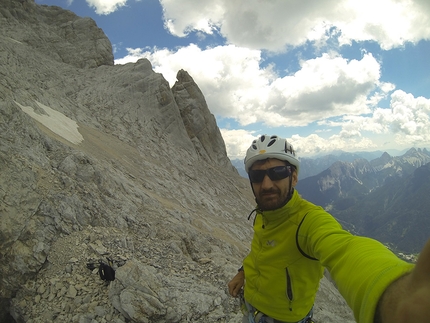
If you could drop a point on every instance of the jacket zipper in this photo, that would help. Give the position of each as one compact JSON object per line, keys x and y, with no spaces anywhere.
{"x":289,"y":289}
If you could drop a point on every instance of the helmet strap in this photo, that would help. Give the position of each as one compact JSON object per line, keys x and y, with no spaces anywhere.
{"x":290,"y":192}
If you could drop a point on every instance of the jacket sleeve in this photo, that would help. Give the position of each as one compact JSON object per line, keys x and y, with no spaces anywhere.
{"x":362,"y":268}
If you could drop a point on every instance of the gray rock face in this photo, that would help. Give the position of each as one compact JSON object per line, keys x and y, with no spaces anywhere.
{"x":59,"y":34}
{"x":198,"y":121}
{"x":100,"y":161}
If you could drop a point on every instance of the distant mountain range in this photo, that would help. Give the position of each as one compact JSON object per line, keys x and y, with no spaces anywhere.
{"x":344,"y":179}
{"x":240,"y":166}
{"x":396,"y":213}
{"x":310,"y":166}
{"x":385,"y":197}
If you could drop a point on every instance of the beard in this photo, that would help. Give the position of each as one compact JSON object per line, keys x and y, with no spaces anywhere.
{"x":269,"y":200}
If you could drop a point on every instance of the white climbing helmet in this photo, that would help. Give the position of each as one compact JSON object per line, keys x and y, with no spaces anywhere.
{"x":271,"y":147}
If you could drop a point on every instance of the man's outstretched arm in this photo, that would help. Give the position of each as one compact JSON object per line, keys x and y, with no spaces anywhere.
{"x":408,"y":298}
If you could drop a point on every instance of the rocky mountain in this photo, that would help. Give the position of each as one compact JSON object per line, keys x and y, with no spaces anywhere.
{"x":351,"y":179}
{"x":339,"y":181}
{"x":402,"y":165}
{"x":101,"y":161}
{"x":346,"y":189}
{"x":396,"y":214}
{"x":313,"y":166}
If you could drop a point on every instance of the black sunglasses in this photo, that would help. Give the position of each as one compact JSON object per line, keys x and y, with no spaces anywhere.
{"x":275,"y":173}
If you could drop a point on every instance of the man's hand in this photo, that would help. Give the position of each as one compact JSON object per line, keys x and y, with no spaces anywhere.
{"x":235,"y":285}
{"x":408,"y":298}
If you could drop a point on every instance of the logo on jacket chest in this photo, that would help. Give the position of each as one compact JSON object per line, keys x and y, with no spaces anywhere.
{"x":271,"y":243}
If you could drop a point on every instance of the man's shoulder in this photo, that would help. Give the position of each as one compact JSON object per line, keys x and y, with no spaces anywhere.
{"x":308,"y":206}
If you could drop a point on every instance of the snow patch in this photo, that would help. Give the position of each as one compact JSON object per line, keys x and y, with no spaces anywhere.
{"x":56,"y":122}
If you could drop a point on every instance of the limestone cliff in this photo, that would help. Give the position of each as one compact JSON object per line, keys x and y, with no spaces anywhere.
{"x":100,"y":160}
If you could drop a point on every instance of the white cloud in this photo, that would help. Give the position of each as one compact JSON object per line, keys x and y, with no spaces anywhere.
{"x":275,"y":24}
{"x":237,"y":142}
{"x":180,"y":17}
{"x":314,"y":144}
{"x":105,"y":7}
{"x":407,"y":122}
{"x":410,"y":118}
{"x":401,"y":21}
{"x":324,"y":87}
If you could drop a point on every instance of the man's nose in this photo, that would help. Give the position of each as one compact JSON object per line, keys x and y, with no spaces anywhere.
{"x":267,"y":182}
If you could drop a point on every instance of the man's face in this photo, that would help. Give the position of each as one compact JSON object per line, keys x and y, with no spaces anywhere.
{"x":271,"y":194}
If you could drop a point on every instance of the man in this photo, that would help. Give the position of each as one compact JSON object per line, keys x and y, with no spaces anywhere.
{"x":294,"y":240}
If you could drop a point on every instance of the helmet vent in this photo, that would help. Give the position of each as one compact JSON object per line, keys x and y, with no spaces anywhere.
{"x":271,"y":146}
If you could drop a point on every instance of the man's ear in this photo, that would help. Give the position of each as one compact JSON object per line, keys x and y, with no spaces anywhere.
{"x":295,"y":178}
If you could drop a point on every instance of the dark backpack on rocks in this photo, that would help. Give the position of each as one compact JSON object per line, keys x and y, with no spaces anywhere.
{"x":106,"y":272}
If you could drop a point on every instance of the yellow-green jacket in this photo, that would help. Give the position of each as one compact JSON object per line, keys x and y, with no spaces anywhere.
{"x":282,"y":282}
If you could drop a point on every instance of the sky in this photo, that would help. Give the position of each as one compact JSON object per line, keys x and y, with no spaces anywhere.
{"x":324,"y":74}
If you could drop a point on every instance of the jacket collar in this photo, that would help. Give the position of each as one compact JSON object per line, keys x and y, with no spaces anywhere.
{"x":283,"y":213}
